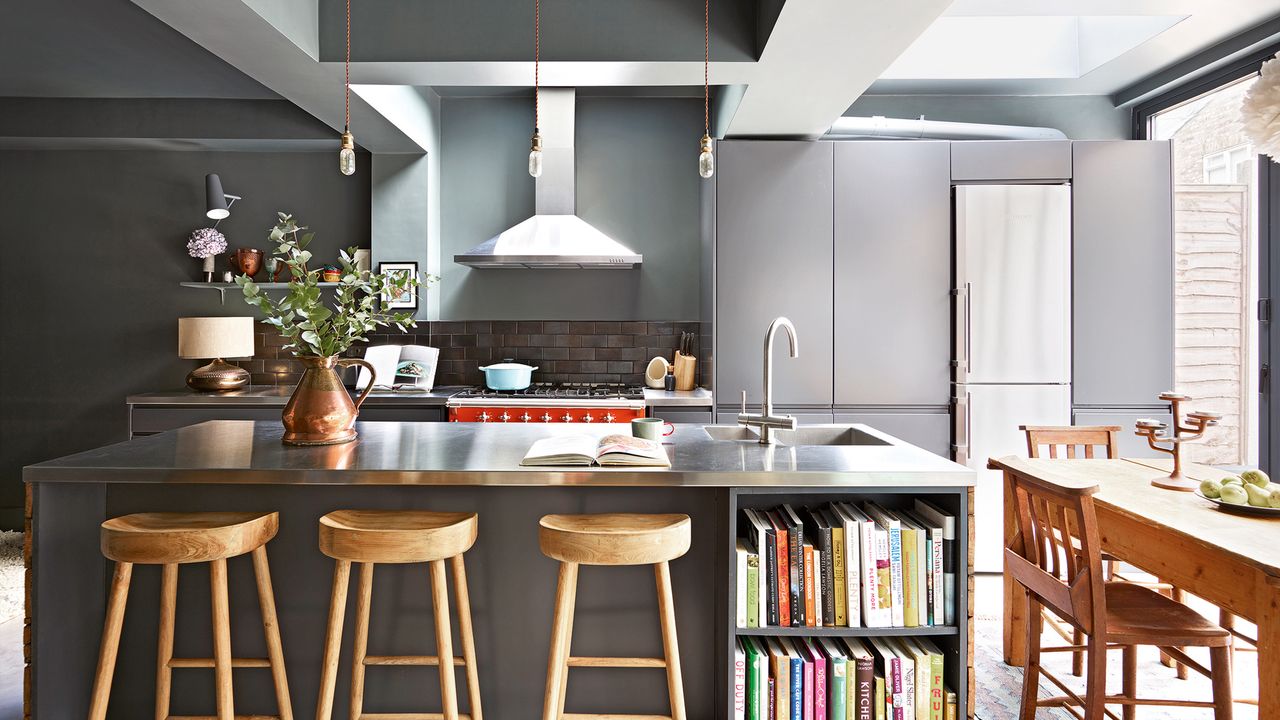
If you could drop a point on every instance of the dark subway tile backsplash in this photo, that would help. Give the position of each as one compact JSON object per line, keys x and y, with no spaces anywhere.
{"x":564,"y":351}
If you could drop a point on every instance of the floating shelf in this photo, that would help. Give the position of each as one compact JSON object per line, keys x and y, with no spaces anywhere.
{"x":849,"y":631}
{"x":222,"y":288}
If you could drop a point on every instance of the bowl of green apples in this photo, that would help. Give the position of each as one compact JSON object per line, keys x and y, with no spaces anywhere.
{"x":1249,"y":493}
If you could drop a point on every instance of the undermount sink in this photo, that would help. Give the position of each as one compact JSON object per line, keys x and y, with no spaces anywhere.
{"x":738,"y":433}
{"x":805,"y":435}
{"x":826,"y":435}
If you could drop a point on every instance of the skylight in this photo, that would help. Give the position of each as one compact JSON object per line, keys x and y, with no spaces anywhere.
{"x":1020,"y":47}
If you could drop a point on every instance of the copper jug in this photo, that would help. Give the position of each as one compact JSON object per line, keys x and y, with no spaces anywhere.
{"x":246,"y":260}
{"x":320,"y":411}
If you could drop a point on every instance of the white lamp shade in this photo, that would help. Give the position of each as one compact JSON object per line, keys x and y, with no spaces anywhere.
{"x":206,"y":338}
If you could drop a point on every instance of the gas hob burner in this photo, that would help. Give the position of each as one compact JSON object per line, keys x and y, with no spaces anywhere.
{"x":566,"y":391}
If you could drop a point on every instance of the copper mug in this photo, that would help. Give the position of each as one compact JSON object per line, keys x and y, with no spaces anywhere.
{"x":320,"y":411}
{"x":246,"y":260}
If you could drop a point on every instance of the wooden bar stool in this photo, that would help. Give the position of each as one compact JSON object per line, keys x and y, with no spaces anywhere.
{"x":399,"y":536}
{"x":171,"y":539}
{"x":611,"y":539}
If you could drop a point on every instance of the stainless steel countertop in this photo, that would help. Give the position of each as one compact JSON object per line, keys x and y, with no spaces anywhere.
{"x":697,"y":397}
{"x":279,"y":395}
{"x":402,"y":453}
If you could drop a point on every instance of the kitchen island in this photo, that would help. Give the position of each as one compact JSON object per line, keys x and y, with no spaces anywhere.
{"x":241,"y":465}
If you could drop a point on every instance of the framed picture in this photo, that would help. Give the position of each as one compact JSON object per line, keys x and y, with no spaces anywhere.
{"x":407,"y":300}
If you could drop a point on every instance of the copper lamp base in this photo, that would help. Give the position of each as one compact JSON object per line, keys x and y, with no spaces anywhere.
{"x":217,"y":376}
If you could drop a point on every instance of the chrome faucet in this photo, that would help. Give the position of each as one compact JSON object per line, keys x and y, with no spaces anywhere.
{"x":766,"y":420}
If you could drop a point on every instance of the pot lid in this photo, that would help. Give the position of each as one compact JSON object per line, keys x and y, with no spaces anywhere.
{"x":508,"y":366}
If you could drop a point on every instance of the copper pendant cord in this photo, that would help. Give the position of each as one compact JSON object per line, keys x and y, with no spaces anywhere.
{"x":346,"y":123}
{"x":706,"y":67}
{"x":537,"y":34}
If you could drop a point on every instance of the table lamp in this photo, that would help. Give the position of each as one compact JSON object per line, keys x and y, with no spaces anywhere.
{"x":202,"y":338}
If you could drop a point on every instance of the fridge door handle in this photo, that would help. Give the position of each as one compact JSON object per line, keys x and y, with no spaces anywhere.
{"x":968,"y":328}
{"x":962,"y":424}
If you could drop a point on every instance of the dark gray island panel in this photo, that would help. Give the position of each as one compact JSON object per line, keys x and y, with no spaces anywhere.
{"x":230,"y":465}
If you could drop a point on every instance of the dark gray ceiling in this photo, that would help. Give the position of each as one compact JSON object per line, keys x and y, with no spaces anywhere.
{"x":108,"y":48}
{"x":572,"y":30}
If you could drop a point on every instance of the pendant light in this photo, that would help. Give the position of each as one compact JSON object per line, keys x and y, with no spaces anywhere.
{"x":535,"y":143}
{"x":347,"y":155}
{"x":706,"y":160}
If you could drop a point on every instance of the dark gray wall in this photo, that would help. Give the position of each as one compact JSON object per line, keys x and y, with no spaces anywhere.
{"x":94,"y":251}
{"x":502,"y":30}
{"x":109,"y":48}
{"x":637,"y":182}
{"x":1081,"y":117}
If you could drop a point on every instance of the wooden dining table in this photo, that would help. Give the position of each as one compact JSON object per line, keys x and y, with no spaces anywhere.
{"x":1230,"y":560}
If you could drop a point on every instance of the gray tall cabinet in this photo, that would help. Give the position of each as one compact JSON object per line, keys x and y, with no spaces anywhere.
{"x":1122,"y":251}
{"x":851,"y":241}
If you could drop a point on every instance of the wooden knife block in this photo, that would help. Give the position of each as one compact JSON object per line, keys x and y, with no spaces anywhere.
{"x":686,"y":369}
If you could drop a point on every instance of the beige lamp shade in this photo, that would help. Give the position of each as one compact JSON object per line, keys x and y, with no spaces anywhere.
{"x":205,"y":338}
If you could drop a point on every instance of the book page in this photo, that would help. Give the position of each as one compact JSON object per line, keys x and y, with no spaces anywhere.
{"x":416,"y":368}
{"x":383,"y":358}
{"x":566,"y":450}
{"x":628,"y":450}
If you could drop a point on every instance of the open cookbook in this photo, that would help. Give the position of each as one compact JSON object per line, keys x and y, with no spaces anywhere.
{"x":406,"y":368}
{"x":610,"y":450}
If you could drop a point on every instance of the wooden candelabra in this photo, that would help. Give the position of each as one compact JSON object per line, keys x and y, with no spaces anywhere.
{"x":1186,"y":429}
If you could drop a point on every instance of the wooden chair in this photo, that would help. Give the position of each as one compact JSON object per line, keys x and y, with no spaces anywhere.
{"x":399,"y":536}
{"x":1056,"y":557}
{"x":170,"y":539}
{"x":1062,"y":441}
{"x":612,"y":539}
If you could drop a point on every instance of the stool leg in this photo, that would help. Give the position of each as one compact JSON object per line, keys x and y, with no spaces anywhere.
{"x":221,"y":639}
{"x":557,"y":662}
{"x":667,"y":612}
{"x":271,"y":629}
{"x":116,"y":600}
{"x":463,"y":597}
{"x":444,"y":641}
{"x":1129,"y":680}
{"x":164,"y":647}
{"x":360,"y":639}
{"x":568,"y":642}
{"x":333,"y":639}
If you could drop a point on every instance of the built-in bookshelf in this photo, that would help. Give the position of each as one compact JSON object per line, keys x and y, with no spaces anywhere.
{"x":953,"y":640}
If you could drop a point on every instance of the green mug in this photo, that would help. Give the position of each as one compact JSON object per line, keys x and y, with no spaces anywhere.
{"x":651,"y":428}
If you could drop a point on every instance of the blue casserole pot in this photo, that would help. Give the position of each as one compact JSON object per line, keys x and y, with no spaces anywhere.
{"x":508,"y":376}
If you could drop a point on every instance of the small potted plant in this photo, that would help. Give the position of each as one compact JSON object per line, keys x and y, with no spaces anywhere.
{"x":321,"y":411}
{"x":206,"y":244}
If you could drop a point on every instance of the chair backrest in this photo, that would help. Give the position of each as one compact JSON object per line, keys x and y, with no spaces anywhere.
{"x":1069,"y":437}
{"x":1057,"y":554}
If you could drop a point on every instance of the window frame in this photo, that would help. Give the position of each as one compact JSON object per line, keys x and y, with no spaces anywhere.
{"x":1192,"y":89}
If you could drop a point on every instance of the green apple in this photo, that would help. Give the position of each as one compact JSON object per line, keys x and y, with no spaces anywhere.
{"x":1211,"y":488}
{"x":1255,"y":477}
{"x":1235,"y":495}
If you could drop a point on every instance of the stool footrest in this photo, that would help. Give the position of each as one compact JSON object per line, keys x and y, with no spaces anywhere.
{"x":617,"y":662}
{"x":208,"y":663}
{"x":611,"y":716}
{"x":215,"y":717}
{"x":409,"y":716}
{"x":407,"y":660}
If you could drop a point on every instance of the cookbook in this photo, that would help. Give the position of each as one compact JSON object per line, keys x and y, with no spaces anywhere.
{"x":400,"y":367}
{"x":610,"y":450}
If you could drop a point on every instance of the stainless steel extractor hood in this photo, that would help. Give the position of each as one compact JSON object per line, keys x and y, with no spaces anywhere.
{"x":554,"y":237}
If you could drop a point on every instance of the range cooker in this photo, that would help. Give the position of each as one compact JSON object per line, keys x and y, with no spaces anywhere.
{"x":550,"y":403}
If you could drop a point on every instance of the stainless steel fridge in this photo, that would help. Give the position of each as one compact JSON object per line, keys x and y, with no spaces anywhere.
{"x":1012,"y":355}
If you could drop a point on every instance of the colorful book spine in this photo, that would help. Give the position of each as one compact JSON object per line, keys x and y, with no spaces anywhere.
{"x":754,"y":678}
{"x":806,"y":574}
{"x":837,"y":682}
{"x":910,"y":593}
{"x":786,"y":605}
{"x":739,"y":682}
{"x":939,"y":599}
{"x":797,"y":688}
{"x":810,"y":679}
{"x":882,"y":701}
{"x":883,"y":583}
{"x":839,"y":575}
{"x":953,"y":708}
{"x":795,"y":561}
{"x":753,"y":590}
{"x":820,"y":682}
{"x":740,"y":584}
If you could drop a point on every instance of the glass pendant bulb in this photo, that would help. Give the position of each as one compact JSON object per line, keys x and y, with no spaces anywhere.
{"x":347,"y":155}
{"x":535,"y":155}
{"x":706,"y":160}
